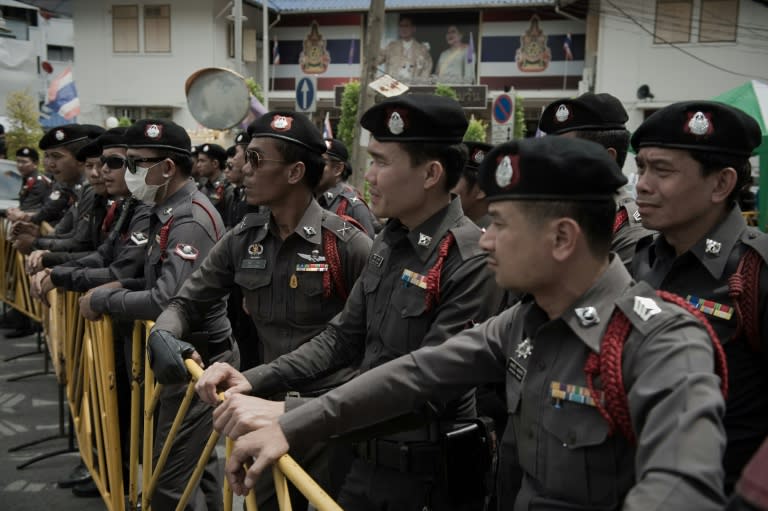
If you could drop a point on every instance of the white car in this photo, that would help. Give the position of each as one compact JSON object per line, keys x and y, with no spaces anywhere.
{"x":10,"y":184}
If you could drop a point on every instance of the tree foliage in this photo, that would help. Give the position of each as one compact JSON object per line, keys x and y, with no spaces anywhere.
{"x":255,"y":88}
{"x":520,"y":128}
{"x":477,"y":130}
{"x":25,"y":129}
{"x":446,"y":90}
{"x":348,"y":121}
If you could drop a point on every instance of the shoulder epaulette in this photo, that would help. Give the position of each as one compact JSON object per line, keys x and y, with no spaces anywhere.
{"x":343,"y":229}
{"x":252,"y":220}
{"x":467,"y":235}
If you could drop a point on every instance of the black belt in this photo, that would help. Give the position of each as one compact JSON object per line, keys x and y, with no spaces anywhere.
{"x":217,"y":348}
{"x":414,"y":458}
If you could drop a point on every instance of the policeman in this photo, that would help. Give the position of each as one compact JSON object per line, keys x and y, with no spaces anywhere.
{"x":334,"y":194}
{"x":238,"y":207}
{"x":35,"y":186}
{"x":184,"y":226}
{"x":609,"y":409}
{"x":294,"y":266}
{"x":211,"y":159}
{"x":473,"y":200}
{"x":692,"y":161}
{"x":601,"y":118}
{"x":424,"y":281}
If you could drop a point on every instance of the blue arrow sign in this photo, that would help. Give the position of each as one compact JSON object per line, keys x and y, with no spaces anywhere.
{"x":305,"y":94}
{"x":502,"y":109}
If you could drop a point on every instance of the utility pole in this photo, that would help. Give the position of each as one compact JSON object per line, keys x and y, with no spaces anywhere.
{"x":370,"y":54}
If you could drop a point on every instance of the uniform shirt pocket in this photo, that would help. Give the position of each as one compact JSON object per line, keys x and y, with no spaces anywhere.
{"x":256,"y":291}
{"x":579,"y":462}
{"x":310,"y":305}
{"x":410,"y":322}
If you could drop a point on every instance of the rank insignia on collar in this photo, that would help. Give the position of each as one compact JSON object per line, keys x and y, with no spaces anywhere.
{"x":139,"y":238}
{"x":329,"y":195}
{"x":636,"y":216}
{"x":424,"y":240}
{"x":713,"y":247}
{"x":309,"y":230}
{"x":524,"y":349}
{"x":167,"y":211}
{"x":255,"y":249}
{"x":55,"y":195}
{"x":353,"y":200}
{"x":377,"y":260}
{"x":645,"y":308}
{"x":587,"y":316}
{"x":186,"y":252}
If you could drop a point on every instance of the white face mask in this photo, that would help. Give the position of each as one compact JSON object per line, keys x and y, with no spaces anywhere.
{"x":139,"y":188}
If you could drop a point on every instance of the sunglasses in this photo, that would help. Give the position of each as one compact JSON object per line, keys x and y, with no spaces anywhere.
{"x":254,"y":159}
{"x":132,"y":162}
{"x":113,"y":162}
{"x":230,"y":166}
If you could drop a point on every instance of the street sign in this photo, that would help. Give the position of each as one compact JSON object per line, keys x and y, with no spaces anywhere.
{"x":502,"y":119}
{"x":306,"y":94}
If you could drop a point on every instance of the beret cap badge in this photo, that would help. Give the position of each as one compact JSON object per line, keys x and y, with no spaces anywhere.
{"x":699,"y":123}
{"x":504,"y":172}
{"x":562,"y":113}
{"x":396,"y":123}
{"x":153,"y":131}
{"x":59,"y":135}
{"x":281,"y":123}
{"x":479,"y":156}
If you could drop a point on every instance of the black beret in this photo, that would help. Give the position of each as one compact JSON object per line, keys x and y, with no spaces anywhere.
{"x":231,"y":151}
{"x":700,"y":126}
{"x":290,"y":126}
{"x":416,"y":118}
{"x":114,"y":137}
{"x":157,"y":134}
{"x":194,"y":150}
{"x":27,"y":152}
{"x":214,"y":151}
{"x":550,"y":168}
{"x":336,"y":149}
{"x":242,"y":138}
{"x":67,"y":134}
{"x":588,"y":112}
{"x":477,"y":151}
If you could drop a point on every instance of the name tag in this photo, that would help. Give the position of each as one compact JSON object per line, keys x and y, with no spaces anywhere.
{"x":516,"y":369}
{"x":254,"y":264}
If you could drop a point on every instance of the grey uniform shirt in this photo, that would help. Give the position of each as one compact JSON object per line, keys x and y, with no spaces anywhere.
{"x":625,"y":239}
{"x":34,"y":189}
{"x":386,"y":316}
{"x":281,"y":281}
{"x":701,"y":275}
{"x":55,"y":205}
{"x":221,"y":195}
{"x":121,"y":256}
{"x":172,"y":254}
{"x":568,"y":459}
{"x":334,"y":199}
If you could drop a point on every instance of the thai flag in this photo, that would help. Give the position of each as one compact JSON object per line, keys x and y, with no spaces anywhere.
{"x":327,"y":130}
{"x":567,"y":47}
{"x":275,"y":54}
{"x":351,"y":59}
{"x":62,"y":95}
{"x":471,"y":49}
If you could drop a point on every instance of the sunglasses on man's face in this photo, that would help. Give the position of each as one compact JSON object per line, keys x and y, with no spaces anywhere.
{"x":113,"y":162}
{"x":132,"y":163}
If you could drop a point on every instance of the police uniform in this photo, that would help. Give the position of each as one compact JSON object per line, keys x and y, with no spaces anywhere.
{"x":238,"y":207}
{"x":35,"y":187}
{"x":183,"y":228}
{"x":476,"y":152}
{"x":590,"y":113}
{"x":569,"y":455}
{"x":702,"y":274}
{"x":219,"y":191}
{"x":289,"y":285}
{"x":394,"y":309}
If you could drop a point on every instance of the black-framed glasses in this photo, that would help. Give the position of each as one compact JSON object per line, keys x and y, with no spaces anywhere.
{"x":132,"y":162}
{"x":230,"y":166}
{"x":255,"y":159}
{"x":113,"y":162}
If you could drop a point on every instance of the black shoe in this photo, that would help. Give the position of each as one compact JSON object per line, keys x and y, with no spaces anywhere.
{"x":86,"y":489}
{"x":78,"y":475}
{"x":23,"y":332}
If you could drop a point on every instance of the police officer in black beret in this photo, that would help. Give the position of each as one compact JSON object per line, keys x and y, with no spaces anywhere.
{"x":424,"y":281}
{"x":692,"y":161}
{"x":473,"y":200}
{"x":35,"y":186}
{"x":601,"y":118}
{"x":293,"y":263}
{"x":184,"y":226}
{"x":591,"y":433}
{"x":238,"y":206}
{"x":211,"y":159}
{"x":335,"y":194}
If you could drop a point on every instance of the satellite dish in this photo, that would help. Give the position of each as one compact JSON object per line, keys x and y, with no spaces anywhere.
{"x":217,"y":98}
{"x":644,"y":92}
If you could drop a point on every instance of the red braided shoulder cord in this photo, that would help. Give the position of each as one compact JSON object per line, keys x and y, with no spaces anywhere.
{"x":334,"y":266}
{"x":164,"y":230}
{"x":621,"y":218}
{"x":615,"y":409}
{"x":433,"y":275}
{"x":744,"y":287}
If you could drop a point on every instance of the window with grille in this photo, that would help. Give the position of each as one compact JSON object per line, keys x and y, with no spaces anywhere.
{"x":673,"y":21}
{"x":125,"y":28}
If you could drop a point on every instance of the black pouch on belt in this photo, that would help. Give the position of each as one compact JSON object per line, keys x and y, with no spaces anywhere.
{"x":467,"y":458}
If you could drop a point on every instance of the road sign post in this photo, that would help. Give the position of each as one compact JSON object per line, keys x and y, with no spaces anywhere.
{"x":502,"y":119}
{"x":306,"y":94}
